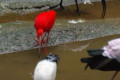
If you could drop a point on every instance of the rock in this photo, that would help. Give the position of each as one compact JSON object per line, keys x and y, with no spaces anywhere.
{"x":22,"y":37}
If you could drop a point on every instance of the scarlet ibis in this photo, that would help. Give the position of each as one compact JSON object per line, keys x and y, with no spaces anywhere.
{"x":106,"y":59}
{"x":46,"y":68}
{"x":77,"y":7}
{"x":43,"y":24}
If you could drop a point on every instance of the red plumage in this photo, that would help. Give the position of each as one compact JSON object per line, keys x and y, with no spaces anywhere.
{"x":44,"y":21}
{"x":43,"y":24}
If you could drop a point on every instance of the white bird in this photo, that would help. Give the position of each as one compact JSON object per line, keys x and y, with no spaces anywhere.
{"x":112,"y":50}
{"x":46,"y":68}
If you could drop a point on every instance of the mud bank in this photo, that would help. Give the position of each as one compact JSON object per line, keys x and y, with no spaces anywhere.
{"x":93,"y":12}
{"x":20,"y":35}
{"x":25,"y":7}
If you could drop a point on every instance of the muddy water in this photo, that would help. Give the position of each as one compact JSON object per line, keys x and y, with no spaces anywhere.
{"x":20,"y":65}
{"x":94,"y":12}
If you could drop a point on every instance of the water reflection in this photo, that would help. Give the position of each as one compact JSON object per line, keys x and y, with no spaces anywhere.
{"x":20,"y":65}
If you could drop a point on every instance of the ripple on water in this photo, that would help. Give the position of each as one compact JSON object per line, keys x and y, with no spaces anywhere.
{"x":21,"y":65}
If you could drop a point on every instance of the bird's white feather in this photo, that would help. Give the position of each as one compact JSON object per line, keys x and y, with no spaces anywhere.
{"x":114,"y":42}
{"x":45,"y":70}
{"x":112,"y":50}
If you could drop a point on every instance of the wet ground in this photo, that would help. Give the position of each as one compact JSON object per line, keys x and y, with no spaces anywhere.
{"x":93,"y":12}
{"x":17,"y":30}
{"x":20,"y":65}
{"x":20,"y":35}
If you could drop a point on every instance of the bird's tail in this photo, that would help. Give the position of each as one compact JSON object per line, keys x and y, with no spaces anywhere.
{"x":95,"y":52}
{"x":95,"y":60}
{"x":100,"y":62}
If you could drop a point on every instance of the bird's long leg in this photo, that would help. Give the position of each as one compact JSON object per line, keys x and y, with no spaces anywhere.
{"x":77,"y":7}
{"x":78,"y":11}
{"x":60,"y":4}
{"x":104,"y":8}
{"x":46,"y":43}
{"x":38,"y":42}
{"x":39,"y":47}
{"x":114,"y":75}
{"x":51,"y":7}
{"x":42,"y":41}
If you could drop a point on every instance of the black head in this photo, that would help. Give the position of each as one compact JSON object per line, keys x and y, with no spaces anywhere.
{"x":52,"y":57}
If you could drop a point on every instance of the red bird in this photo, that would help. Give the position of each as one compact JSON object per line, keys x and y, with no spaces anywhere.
{"x":43,"y":24}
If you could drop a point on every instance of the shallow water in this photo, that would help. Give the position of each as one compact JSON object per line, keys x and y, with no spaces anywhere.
{"x":20,"y":65}
{"x":93,"y":12}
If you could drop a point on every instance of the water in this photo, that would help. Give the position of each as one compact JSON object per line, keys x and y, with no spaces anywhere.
{"x":20,"y":65}
{"x":94,"y":12}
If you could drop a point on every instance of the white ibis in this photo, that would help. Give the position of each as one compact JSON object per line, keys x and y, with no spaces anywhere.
{"x":46,"y":68}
